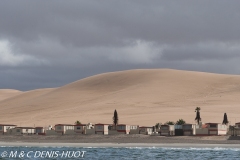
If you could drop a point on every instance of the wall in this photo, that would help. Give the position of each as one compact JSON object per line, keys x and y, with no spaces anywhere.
{"x":114,"y":132}
{"x":99,"y":128}
{"x":171,"y":127}
{"x":121,"y":127}
{"x":164,"y":133}
{"x":178,"y":132}
{"x":81,"y":128}
{"x":28,"y":131}
{"x":72,"y":132}
{"x":52,"y":132}
{"x":149,"y":131}
{"x":142,"y":131}
{"x":2,"y":129}
{"x":222,"y":132}
{"x":201,"y":131}
{"x":134,"y":131}
{"x":105,"y":129}
{"x":213,"y":132}
{"x":90,"y":131}
{"x":187,"y":127}
{"x":59,"y":128}
{"x":187,"y":133}
{"x":14,"y":131}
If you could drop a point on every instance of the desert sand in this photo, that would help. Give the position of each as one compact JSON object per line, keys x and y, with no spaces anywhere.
{"x":142,"y":97}
{"x":7,"y":93}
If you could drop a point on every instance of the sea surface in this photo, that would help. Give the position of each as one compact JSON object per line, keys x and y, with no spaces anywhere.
{"x":118,"y":153}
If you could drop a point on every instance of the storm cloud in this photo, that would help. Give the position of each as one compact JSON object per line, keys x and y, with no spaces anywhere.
{"x":52,"y":43}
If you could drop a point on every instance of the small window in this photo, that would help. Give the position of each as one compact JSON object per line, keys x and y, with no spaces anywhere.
{"x":78,"y":127}
{"x":0,"y":127}
{"x":18,"y":130}
{"x":213,"y":126}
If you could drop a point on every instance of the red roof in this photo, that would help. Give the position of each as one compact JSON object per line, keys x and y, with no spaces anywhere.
{"x":145,"y":127}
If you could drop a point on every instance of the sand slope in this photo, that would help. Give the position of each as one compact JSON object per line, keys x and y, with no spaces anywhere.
{"x":140,"y":96}
{"x":7,"y":93}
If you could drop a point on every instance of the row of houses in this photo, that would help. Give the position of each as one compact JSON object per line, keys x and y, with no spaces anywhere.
{"x":15,"y":130}
{"x":109,"y":129}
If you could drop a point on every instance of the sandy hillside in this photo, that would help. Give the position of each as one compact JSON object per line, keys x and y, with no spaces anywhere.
{"x":140,"y":96}
{"x":7,"y":93}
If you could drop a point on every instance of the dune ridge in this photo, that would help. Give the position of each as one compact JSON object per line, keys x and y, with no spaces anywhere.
{"x":144,"y":97}
{"x":7,"y":93}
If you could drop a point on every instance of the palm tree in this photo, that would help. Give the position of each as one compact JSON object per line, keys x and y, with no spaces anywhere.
{"x":180,"y":122}
{"x":115,"y":118}
{"x":225,"y":119}
{"x":78,"y":122}
{"x":157,"y":125}
{"x":198,"y":118}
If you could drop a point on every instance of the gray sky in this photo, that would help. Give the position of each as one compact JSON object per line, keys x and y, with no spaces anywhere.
{"x":52,"y":43}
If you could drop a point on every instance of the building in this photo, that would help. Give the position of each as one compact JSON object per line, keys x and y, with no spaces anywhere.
{"x":211,"y":129}
{"x":234,"y":130}
{"x":70,"y":129}
{"x":5,"y":127}
{"x":89,"y":129}
{"x":134,"y":129}
{"x":21,"y":130}
{"x":237,"y":125}
{"x":145,"y":130}
{"x":202,"y":130}
{"x":101,"y":128}
{"x":167,"y":130}
{"x":40,"y":131}
{"x":189,"y":129}
{"x":62,"y":128}
{"x":123,"y":128}
{"x":178,"y":130}
{"x":80,"y":128}
{"x":217,"y":129}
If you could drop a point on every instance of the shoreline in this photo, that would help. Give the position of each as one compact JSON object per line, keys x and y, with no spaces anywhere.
{"x":118,"y":145}
{"x":120,"y":141}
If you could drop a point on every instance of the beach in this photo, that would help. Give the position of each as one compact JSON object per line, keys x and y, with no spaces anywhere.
{"x":119,"y":141}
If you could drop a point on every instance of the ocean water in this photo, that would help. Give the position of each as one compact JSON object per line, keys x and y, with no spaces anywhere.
{"x":91,"y":153}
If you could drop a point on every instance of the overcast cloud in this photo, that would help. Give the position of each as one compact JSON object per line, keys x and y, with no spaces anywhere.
{"x":52,"y":43}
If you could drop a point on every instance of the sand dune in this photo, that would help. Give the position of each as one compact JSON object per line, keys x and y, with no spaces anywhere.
{"x":7,"y":93}
{"x":140,"y":96}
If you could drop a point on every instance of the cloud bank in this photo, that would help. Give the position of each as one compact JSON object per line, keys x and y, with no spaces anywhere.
{"x":49,"y":44}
